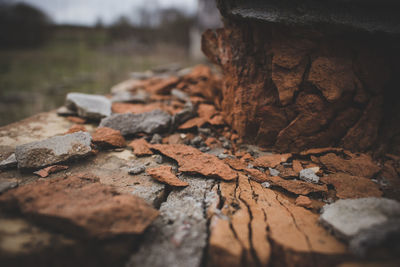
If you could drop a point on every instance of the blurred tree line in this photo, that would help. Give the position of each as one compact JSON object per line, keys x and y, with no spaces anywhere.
{"x":22,"y":25}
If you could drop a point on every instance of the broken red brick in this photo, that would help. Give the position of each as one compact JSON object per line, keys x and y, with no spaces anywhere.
{"x":271,"y":161}
{"x":348,"y":186}
{"x":140,"y":147}
{"x":165,"y":175}
{"x":191,"y":160}
{"x":107,"y":137}
{"x":51,"y":169}
{"x":81,"y":207}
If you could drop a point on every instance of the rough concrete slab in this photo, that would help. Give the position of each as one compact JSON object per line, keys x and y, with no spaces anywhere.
{"x":89,"y":106}
{"x":53,"y":150}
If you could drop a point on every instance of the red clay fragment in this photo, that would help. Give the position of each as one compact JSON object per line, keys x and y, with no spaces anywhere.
{"x":304,"y":202}
{"x":236,"y":164}
{"x":165,"y":175}
{"x":348,"y":186}
{"x":296,"y":186}
{"x":256,"y":175}
{"x":81,"y":207}
{"x":271,"y":161}
{"x":107,"y":137}
{"x":191,"y":160}
{"x":51,"y":169}
{"x":76,"y":128}
{"x":76,"y":120}
{"x":140,"y":147}
{"x":195,"y":122}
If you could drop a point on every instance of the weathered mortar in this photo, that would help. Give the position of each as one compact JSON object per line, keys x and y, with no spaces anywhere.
{"x":299,"y":74}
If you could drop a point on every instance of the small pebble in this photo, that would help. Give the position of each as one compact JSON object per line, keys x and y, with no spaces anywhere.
{"x":156,"y":139}
{"x":158,"y":159}
{"x":205,"y":131}
{"x":273,"y":172}
{"x":266,"y":185}
{"x":196,"y":141}
{"x":136,"y":170}
{"x":204,"y":149}
{"x":223,"y":156}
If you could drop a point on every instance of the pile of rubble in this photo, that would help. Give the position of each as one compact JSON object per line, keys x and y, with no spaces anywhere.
{"x":156,"y":154}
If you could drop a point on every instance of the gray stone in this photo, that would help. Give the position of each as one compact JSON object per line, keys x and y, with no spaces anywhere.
{"x":266,"y":185}
{"x":347,"y":217}
{"x":204,"y":149}
{"x":136,"y":170}
{"x":385,"y":235}
{"x":89,"y":106}
{"x":223,"y":156}
{"x":155,"y":121}
{"x":140,"y":96}
{"x":273,"y":172}
{"x":226,"y":145}
{"x":7,"y":184}
{"x":9,"y":162}
{"x":196,"y":141}
{"x":185,"y":114}
{"x":180,"y":95}
{"x":156,"y":139}
{"x":53,"y":150}
{"x":308,"y":175}
{"x":158,"y":159}
{"x":205,"y":131}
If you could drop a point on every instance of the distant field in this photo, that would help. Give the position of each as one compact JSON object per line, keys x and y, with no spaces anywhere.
{"x":35,"y":80}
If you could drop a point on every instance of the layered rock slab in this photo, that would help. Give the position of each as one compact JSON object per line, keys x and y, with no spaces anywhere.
{"x":80,"y":206}
{"x":53,"y":150}
{"x":129,"y":124}
{"x":89,"y":106}
{"x":255,"y":226}
{"x":165,"y":175}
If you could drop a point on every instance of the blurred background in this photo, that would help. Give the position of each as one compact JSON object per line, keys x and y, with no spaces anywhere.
{"x":51,"y":47}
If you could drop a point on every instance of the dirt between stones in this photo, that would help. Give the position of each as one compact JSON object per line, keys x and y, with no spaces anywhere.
{"x":234,"y":204}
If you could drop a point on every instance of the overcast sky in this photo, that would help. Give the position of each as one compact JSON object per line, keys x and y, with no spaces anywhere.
{"x":87,"y":12}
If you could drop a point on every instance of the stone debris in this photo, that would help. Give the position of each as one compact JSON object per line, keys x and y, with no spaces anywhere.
{"x":256,"y":175}
{"x":348,"y":186}
{"x":349,"y":217}
{"x":272,"y":160}
{"x":140,"y":147}
{"x":89,"y":106}
{"x":308,"y":175}
{"x":156,"y":139}
{"x":53,"y":150}
{"x":108,"y":138}
{"x":236,"y":164}
{"x":7,"y":184}
{"x":158,"y":159}
{"x":155,"y":121}
{"x":136,"y":169}
{"x":81,"y":207}
{"x":8,"y":163}
{"x":358,"y":165}
{"x":191,"y":160}
{"x":165,"y":175}
{"x":273,"y":172}
{"x":51,"y":169}
{"x":323,"y":150}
